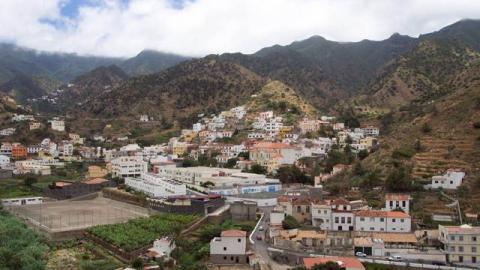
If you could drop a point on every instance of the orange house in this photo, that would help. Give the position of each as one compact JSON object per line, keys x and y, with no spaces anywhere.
{"x":19,"y":151}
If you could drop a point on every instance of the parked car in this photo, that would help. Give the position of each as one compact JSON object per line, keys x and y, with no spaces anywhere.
{"x":260,"y":228}
{"x":360,"y":254}
{"x":395,"y":258}
{"x":259,"y":237}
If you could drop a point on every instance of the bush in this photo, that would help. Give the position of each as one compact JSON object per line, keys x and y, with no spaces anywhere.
{"x":426,"y":128}
{"x":403,"y":153}
{"x":476,"y":124}
{"x":290,"y":223}
{"x":29,"y":181}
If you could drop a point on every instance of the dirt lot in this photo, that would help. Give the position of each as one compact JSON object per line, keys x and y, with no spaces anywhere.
{"x":60,"y":216}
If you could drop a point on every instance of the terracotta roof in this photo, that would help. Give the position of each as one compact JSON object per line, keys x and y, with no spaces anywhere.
{"x":310,"y":234}
{"x":271,"y":145}
{"x":94,"y":181}
{"x":397,"y":197}
{"x":345,"y":262}
{"x":340,"y":202}
{"x":379,"y":213}
{"x":234,"y":233}
{"x":62,"y":184}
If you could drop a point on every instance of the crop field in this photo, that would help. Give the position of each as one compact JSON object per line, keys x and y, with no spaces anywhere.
{"x":137,"y":233}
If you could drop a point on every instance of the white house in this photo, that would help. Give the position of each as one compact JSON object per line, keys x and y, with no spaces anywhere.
{"x":229,"y":248}
{"x":397,"y":201}
{"x":58,"y":125}
{"x":129,"y":166}
{"x":156,"y":186}
{"x":382,"y":221}
{"x":4,"y":161}
{"x":322,"y":216}
{"x":450,"y":180}
{"x":371,"y":131}
{"x":162,"y":248}
{"x":342,"y":216}
{"x":7,"y":131}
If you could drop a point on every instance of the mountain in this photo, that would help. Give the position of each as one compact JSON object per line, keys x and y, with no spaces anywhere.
{"x":22,"y":88}
{"x":350,"y":64}
{"x":179,"y":93}
{"x":149,"y":61}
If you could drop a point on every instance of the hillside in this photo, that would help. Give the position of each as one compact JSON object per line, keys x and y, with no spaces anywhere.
{"x":281,"y":99}
{"x":22,"y":87}
{"x":206,"y":85}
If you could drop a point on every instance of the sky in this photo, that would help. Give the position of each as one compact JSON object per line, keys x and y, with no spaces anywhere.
{"x":123,"y":28}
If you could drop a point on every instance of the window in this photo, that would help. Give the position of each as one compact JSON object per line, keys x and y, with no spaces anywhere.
{"x":308,"y":208}
{"x":474,"y":249}
{"x":225,"y":257}
{"x":460,"y":249}
{"x":382,"y":219}
{"x":391,"y":203}
{"x":239,"y":240}
{"x":474,"y":239}
{"x":336,"y":220}
{"x":372,"y":229}
{"x":325,"y":212}
{"x":362,"y":219}
{"x":452,"y":237}
{"x":404,"y":204}
{"x":349,"y":220}
{"x":401,"y":220}
{"x":372,"y":219}
{"x":460,"y":238}
{"x":452,"y":249}
{"x":343,"y":220}
{"x":224,"y":248}
{"x":460,"y":258}
{"x":474,"y":259}
{"x":393,"y":220}
{"x":299,"y":209}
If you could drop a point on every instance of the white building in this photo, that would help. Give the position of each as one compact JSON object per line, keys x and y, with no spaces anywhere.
{"x":371,"y":131}
{"x":156,"y":186}
{"x":163,"y":247}
{"x":22,"y":201}
{"x":7,"y":131}
{"x":397,"y":201}
{"x":144,"y":118}
{"x":382,"y":221}
{"x":321,"y":216}
{"x":22,"y":117}
{"x":58,"y":125}
{"x":129,"y":166}
{"x":229,"y":248}
{"x":342,"y":216}
{"x":66,"y":149}
{"x":197,"y":127}
{"x":4,"y":161}
{"x":461,"y":244}
{"x":450,"y":180}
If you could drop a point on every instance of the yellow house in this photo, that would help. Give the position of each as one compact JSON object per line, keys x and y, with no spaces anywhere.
{"x":179,"y":148}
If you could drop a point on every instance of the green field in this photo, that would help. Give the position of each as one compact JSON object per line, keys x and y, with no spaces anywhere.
{"x":140,"y":232}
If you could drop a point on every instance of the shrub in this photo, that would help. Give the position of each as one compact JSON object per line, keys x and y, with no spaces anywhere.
{"x":426,"y":128}
{"x":290,"y":223}
{"x":403,"y":153}
{"x":476,"y":124}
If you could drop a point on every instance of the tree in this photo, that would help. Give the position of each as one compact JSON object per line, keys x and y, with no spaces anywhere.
{"x":137,"y":263}
{"x":292,"y":174}
{"x":327,"y":266}
{"x":231,"y":162}
{"x":29,"y":181}
{"x":398,"y":180}
{"x":362,"y":154}
{"x":259,"y":169}
{"x":245,"y":155}
{"x":290,"y":223}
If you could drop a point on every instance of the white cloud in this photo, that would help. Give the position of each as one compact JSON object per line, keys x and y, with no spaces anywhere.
{"x":216,"y":26}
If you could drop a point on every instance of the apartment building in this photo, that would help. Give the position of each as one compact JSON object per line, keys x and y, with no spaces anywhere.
{"x":156,"y":186}
{"x":342,"y":215}
{"x":130,"y":166}
{"x":461,"y":244}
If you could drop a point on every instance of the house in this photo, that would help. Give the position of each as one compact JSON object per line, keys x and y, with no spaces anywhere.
{"x":321,"y":215}
{"x":229,"y":248}
{"x":461,"y":244}
{"x":6,"y":149}
{"x":65,"y":148}
{"x":371,"y":131}
{"x":34,"y":125}
{"x":62,"y":190}
{"x":342,"y":215}
{"x":7,"y":132}
{"x":187,"y":204}
{"x":18,"y":151}
{"x":309,"y":125}
{"x":144,"y":118}
{"x":272,"y":155}
{"x":130,"y":166}
{"x":162,"y":248}
{"x":346,"y":263}
{"x":338,"y":126}
{"x":382,"y":221}
{"x":450,"y":180}
{"x":4,"y":161}
{"x":297,"y":207}
{"x":397,"y":202}
{"x":76,"y":139}
{"x":58,"y":125}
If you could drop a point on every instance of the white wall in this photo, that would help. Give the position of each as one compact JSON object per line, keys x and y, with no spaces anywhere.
{"x":228,"y":245}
